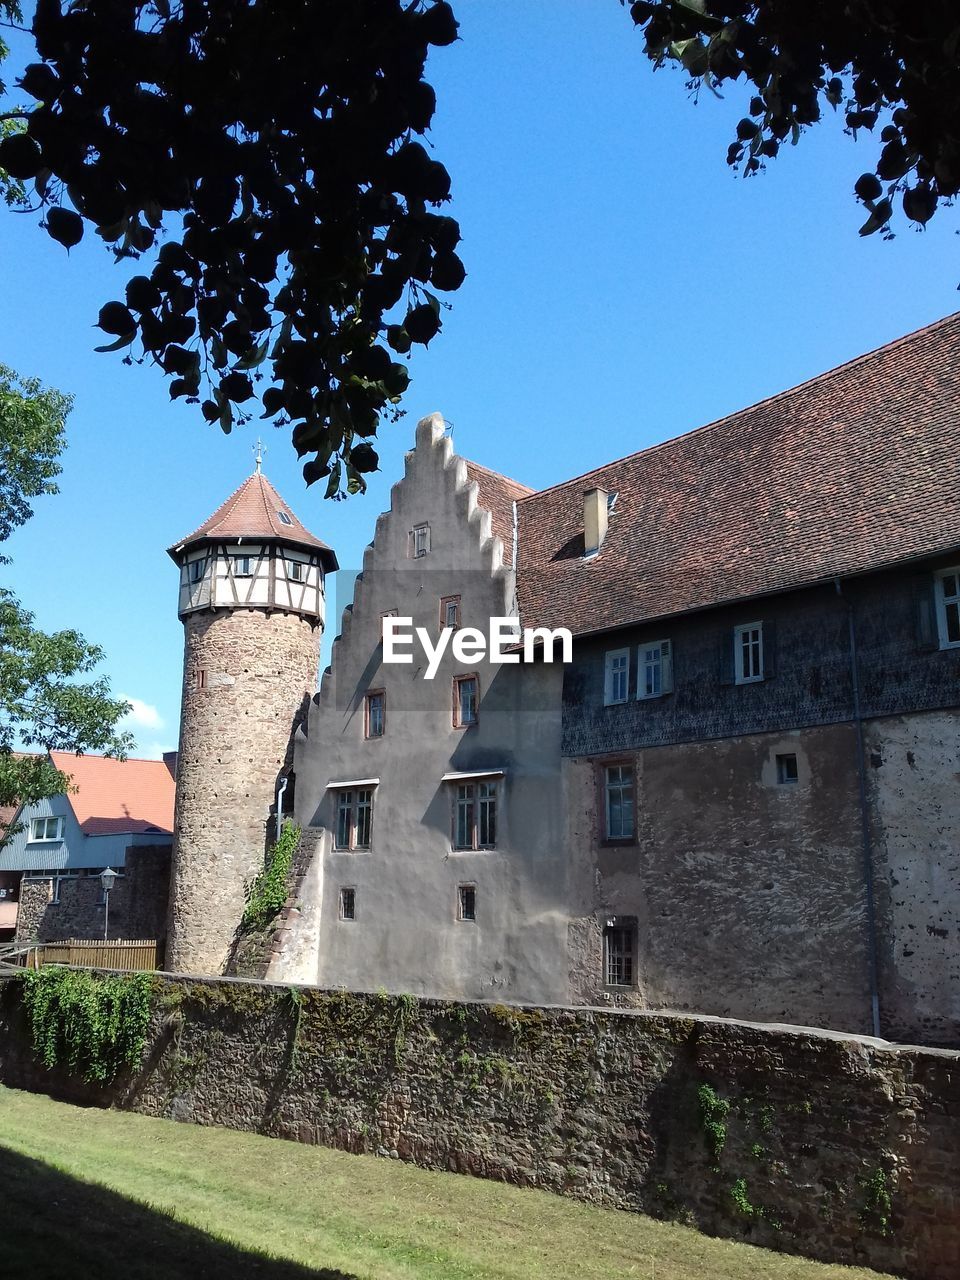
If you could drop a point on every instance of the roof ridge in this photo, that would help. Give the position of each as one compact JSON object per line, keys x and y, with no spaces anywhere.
{"x":716,"y":423}
{"x":216,"y":511}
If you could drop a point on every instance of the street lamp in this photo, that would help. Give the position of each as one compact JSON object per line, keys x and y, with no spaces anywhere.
{"x":107,"y":880}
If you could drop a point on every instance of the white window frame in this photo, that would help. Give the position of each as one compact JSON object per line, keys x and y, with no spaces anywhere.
{"x":296,"y":570}
{"x":45,"y":839}
{"x":610,"y":672}
{"x":945,"y":602}
{"x":739,"y":670}
{"x":419,"y":541}
{"x":235,"y":558}
{"x":662,"y":664}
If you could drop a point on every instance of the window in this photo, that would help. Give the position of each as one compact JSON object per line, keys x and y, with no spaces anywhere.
{"x":619,"y":954}
{"x":195,"y":570}
{"x":466,"y":698}
{"x":374,"y":713}
{"x":655,"y":669}
{"x":948,"y":607}
{"x":199,"y":678}
{"x":618,"y":801}
{"x":450,"y":612}
{"x":284,"y":518}
{"x":616,"y":676}
{"x":348,"y":904}
{"x":354,"y":819}
{"x":295,"y":570}
{"x":787,"y":769}
{"x":466,"y":902}
{"x":46,"y":829}
{"x":419,"y":540}
{"x":242,"y":566}
{"x":475,"y":816}
{"x":612,"y":500}
{"x":748,"y":653}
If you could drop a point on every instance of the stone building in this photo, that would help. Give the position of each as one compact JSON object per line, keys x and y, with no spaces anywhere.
{"x":738,"y":797}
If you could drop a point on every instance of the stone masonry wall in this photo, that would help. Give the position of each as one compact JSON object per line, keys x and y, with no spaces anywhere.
{"x":235,"y":735}
{"x":843,"y":1149}
{"x":78,"y":914}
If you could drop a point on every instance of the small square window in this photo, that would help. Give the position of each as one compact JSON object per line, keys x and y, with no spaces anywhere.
{"x":195,"y":570}
{"x":748,"y":653}
{"x":242,"y":566}
{"x":616,"y":677}
{"x":620,"y":954}
{"x":43,"y":829}
{"x":295,"y":570}
{"x":374,"y":714}
{"x":466,"y":701}
{"x":467,"y":902}
{"x":787,"y":769}
{"x":348,"y":904}
{"x":419,"y":540}
{"x":450,"y":612}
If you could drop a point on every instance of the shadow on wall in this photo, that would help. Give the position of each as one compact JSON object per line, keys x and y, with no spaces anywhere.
{"x":56,"y":1226}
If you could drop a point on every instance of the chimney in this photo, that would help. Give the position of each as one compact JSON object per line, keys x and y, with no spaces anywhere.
{"x":594,"y":520}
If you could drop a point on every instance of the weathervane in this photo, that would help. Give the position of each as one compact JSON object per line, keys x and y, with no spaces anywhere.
{"x":259,"y":449}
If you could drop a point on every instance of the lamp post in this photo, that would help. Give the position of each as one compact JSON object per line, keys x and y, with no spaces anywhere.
{"x":107,"y":880}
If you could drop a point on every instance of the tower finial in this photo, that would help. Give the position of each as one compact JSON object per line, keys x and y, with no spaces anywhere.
{"x":259,"y":450}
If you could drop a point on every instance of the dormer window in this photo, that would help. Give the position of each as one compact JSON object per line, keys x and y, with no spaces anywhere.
{"x":284,"y":518}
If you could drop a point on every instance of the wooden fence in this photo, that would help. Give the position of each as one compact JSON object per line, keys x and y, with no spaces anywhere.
{"x":140,"y":954}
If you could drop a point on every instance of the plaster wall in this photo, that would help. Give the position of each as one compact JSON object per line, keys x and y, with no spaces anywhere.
{"x":406,"y":935}
{"x":270,"y":582}
{"x":913,"y":772}
{"x":748,"y":894}
{"x":236,"y":725}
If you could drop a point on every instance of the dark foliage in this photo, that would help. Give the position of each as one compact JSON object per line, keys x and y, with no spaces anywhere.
{"x":276,"y":138}
{"x":892,"y":67}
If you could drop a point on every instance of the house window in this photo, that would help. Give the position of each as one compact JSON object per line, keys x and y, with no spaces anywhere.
{"x":619,"y":954}
{"x":450,"y":612}
{"x":948,"y":607}
{"x":616,"y":676}
{"x":295,"y":570}
{"x":348,"y":904}
{"x":354,"y":819}
{"x":374,"y":714}
{"x":466,"y":902}
{"x":199,"y":678}
{"x":45,"y":829}
{"x":419,"y":540}
{"x":242,"y":566}
{"x":618,"y":802}
{"x":466,"y":699}
{"x":475,"y":816}
{"x":787,"y":769}
{"x":195,"y":570}
{"x":748,"y":653}
{"x":655,"y":669}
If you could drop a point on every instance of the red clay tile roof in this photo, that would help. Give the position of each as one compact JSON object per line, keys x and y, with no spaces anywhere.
{"x":856,"y":469}
{"x":118,"y":796}
{"x":253,"y":511}
{"x":497,"y":495}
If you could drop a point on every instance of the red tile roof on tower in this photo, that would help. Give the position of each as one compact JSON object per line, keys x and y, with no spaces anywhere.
{"x":118,"y":796}
{"x":497,"y":495}
{"x":255,"y":511}
{"x":853,"y":471}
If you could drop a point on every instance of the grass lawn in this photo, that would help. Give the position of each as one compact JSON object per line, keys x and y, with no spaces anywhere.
{"x":106,"y":1195}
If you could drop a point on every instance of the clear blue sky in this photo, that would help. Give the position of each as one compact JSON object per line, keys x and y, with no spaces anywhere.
{"x":623,"y":286}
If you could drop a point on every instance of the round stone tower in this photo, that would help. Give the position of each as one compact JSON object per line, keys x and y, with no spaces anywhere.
{"x":252,"y":606}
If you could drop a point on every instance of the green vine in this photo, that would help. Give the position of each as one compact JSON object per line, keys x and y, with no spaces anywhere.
{"x":93,"y":1025}
{"x":878,"y":1205}
{"x":713,"y":1113}
{"x":268,"y":892}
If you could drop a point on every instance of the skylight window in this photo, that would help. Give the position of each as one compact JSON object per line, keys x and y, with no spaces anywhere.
{"x":284,"y":518}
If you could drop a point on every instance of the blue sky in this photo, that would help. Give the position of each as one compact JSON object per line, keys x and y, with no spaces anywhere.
{"x":623,"y":286}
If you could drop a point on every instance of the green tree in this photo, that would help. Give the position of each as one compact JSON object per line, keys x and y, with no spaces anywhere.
{"x":44,"y":702}
{"x":271,"y":145}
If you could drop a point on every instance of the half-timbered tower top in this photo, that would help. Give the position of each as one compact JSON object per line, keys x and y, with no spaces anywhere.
{"x":254,"y":553}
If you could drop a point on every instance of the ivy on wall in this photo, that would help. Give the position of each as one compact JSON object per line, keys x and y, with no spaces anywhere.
{"x":268,"y":892}
{"x":93,"y":1024}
